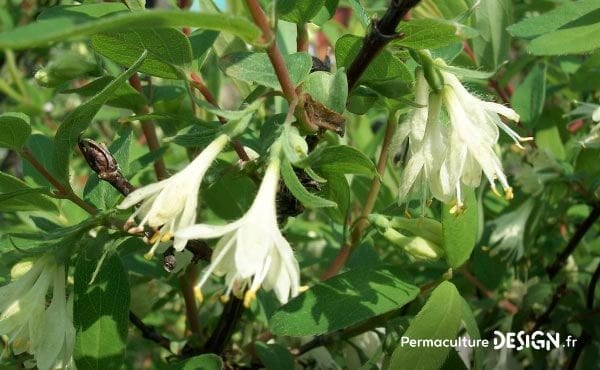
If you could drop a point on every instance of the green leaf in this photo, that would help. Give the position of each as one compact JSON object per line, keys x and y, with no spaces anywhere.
{"x":573,"y":40}
{"x":75,"y":123}
{"x":136,"y":5}
{"x":359,"y":294}
{"x":257,"y":68}
{"x":329,"y":89}
{"x":60,"y":23}
{"x":298,"y":11}
{"x":438,"y":319}
{"x":100,"y":313}
{"x":198,"y":136}
{"x":168,"y":50}
{"x":231,"y":195}
{"x":14,"y":130}
{"x":470,"y":324}
{"x":299,"y":191}
{"x":385,"y":66}
{"x":17,"y":196}
{"x":550,"y":21}
{"x":343,"y":159}
{"x":459,"y":231}
{"x":491,"y":47}
{"x":201,"y":42}
{"x":125,"y":96}
{"x":274,"y":356}
{"x":427,"y":34}
{"x":529,"y":97}
{"x":208,"y":361}
{"x":337,"y":189}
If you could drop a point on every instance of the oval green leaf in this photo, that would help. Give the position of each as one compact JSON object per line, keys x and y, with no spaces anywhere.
{"x":342,"y":301}
{"x":459,"y":232}
{"x":14,"y":130}
{"x":438,"y":319}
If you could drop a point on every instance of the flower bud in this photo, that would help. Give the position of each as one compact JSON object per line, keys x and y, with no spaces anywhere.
{"x":421,"y":248}
{"x":380,"y":221}
{"x":427,"y":228}
{"x":63,"y":68}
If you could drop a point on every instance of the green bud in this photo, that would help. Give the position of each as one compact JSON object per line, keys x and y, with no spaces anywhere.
{"x":379,"y":220}
{"x":427,"y":228}
{"x":294,"y":145}
{"x":430,"y":71}
{"x":65,"y":67}
{"x":421,"y":248}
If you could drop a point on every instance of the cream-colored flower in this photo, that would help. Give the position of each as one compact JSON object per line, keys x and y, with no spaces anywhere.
{"x":474,"y":131}
{"x":170,"y":205}
{"x":446,"y":156}
{"x":252,"y":252}
{"x":45,"y":332}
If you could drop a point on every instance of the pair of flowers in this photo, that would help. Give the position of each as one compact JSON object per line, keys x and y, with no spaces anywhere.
{"x":251,"y":251}
{"x":446,"y":156}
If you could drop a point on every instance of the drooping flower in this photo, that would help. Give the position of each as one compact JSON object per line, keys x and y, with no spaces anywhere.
{"x":427,"y":145}
{"x":170,"y":205}
{"x":473,"y":133}
{"x":45,"y":332}
{"x":446,"y":156}
{"x":252,"y":252}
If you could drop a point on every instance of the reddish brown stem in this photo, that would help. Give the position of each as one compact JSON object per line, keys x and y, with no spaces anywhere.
{"x":276,"y":58}
{"x":149,"y":130}
{"x":505,"y":304}
{"x":302,"y":37}
{"x":199,"y":84}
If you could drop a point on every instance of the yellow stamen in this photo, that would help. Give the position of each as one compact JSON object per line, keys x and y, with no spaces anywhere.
{"x":198,"y":294}
{"x":249,"y":297}
{"x":224,"y":298}
{"x":508,"y":193}
{"x":407,"y":214}
{"x":495,"y":191}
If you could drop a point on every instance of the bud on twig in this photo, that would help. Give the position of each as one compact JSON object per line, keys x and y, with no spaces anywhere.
{"x":104,"y":164}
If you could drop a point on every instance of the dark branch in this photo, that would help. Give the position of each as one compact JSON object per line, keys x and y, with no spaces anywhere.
{"x":232,"y":313}
{"x":149,"y":333}
{"x":560,"y":291}
{"x":582,"y":229}
{"x":382,"y":32}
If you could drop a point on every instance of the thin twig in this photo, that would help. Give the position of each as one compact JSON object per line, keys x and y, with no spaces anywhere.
{"x":362,"y":221}
{"x":382,"y":32}
{"x":505,"y":304}
{"x":232,"y":313}
{"x":585,"y":337}
{"x":560,"y":291}
{"x":62,"y":190}
{"x":149,"y":333}
{"x":582,"y":229}
{"x":276,"y":58}
{"x":149,"y":130}
{"x":199,"y":84}
{"x":301,"y":37}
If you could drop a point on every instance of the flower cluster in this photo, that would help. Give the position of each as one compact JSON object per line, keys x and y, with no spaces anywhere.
{"x":446,"y":156}
{"x":47,"y":332}
{"x":251,"y":252}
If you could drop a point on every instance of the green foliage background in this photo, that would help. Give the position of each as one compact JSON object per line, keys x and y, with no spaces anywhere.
{"x":530,"y":263}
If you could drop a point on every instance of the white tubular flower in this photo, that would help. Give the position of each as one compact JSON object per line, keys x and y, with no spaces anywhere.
{"x":252,"y":252}
{"x":427,"y":146}
{"x":45,"y":332}
{"x":473,"y":133}
{"x":170,"y":204}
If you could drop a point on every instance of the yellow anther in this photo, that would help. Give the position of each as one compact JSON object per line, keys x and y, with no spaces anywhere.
{"x":198,"y":294}
{"x":154,"y":237}
{"x":166,"y":237}
{"x":224,"y":298}
{"x":303,"y":288}
{"x":508,"y":193}
{"x":495,"y":191}
{"x":249,"y":297}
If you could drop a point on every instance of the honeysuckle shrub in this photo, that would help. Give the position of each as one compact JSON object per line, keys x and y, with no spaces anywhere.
{"x":299,"y":184}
